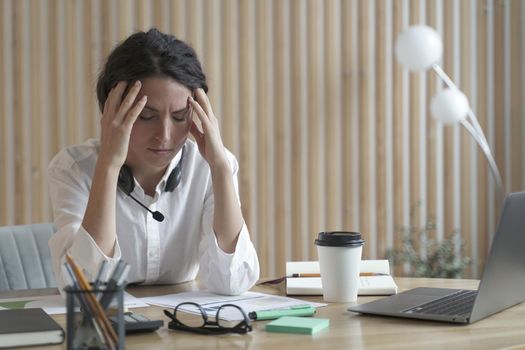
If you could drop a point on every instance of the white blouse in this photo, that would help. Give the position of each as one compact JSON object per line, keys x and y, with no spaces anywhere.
{"x":171,"y":251}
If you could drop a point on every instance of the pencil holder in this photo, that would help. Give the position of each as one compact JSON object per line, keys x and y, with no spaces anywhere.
{"x":88,"y":325}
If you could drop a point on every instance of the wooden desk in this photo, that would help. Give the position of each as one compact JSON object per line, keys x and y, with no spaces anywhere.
{"x":347,"y":330}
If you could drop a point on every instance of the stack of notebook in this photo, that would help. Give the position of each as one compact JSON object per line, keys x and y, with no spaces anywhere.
{"x":302,"y":278}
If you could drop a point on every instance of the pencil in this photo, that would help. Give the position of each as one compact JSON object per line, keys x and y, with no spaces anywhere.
{"x":372,"y":274}
{"x":306,"y":275}
{"x":361,"y":274}
{"x":98,"y":313}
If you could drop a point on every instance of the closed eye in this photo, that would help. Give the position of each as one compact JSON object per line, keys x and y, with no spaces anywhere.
{"x":146,"y":117}
{"x":180,"y":116}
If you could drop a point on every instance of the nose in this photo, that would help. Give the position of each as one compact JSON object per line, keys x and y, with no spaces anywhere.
{"x":163,"y":131}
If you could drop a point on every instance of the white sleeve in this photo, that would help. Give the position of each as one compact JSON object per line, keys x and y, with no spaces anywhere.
{"x":69,"y":192}
{"x":220,"y":272}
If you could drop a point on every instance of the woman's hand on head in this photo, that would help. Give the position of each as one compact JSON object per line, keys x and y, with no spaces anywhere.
{"x":118,"y":118}
{"x":209,"y":137}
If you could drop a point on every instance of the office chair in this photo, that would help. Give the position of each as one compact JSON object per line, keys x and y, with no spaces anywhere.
{"x":25,"y":259}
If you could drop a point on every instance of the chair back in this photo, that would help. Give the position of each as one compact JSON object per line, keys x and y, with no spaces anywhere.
{"x":25,"y":259}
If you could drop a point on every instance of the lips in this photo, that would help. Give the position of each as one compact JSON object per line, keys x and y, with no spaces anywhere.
{"x":161,"y":151}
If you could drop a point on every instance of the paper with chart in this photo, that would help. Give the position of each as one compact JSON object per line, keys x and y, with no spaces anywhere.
{"x":210,"y":302}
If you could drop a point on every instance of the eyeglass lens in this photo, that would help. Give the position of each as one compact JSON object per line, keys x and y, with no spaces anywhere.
{"x":230,"y":316}
{"x":189,"y":315}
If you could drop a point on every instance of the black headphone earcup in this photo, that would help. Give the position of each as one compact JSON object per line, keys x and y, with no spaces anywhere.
{"x":125,"y":179}
{"x":176,"y":174}
{"x":174,"y":179}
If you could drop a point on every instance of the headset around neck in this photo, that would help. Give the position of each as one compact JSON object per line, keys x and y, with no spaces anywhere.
{"x":126,"y":183}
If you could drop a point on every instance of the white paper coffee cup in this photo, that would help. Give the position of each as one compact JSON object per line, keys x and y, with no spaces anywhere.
{"x":339,"y":261}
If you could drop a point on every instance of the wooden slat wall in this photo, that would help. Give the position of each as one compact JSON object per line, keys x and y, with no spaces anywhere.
{"x":331,"y":133}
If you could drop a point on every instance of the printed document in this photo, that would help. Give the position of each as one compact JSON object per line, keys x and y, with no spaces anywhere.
{"x":210,"y":302}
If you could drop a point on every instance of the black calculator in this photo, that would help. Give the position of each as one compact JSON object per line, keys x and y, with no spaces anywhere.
{"x":137,"y":323}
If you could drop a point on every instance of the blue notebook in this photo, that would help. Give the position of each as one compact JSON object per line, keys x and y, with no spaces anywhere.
{"x":300,"y":325}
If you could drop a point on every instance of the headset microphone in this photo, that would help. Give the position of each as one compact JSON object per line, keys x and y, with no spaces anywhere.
{"x":157,"y":215}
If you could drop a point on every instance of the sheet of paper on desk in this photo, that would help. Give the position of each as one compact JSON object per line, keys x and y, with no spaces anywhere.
{"x":249,"y":301}
{"x":368,"y":285}
{"x":56,"y":304}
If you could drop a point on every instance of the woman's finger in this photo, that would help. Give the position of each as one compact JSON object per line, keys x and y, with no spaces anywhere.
{"x":198,"y":135}
{"x":200,"y":113}
{"x":106,"y":106}
{"x":115,"y":96}
{"x":127,"y":103}
{"x":133,"y":113}
{"x":195,"y":131}
{"x":203,"y":100}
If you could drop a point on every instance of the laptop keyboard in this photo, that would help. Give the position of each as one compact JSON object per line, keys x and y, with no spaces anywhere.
{"x":458,"y":303}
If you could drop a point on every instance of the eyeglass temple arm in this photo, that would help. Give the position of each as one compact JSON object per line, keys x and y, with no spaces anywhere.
{"x":170,"y":315}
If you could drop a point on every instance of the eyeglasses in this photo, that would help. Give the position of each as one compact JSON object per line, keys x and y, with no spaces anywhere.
{"x":193,"y":318}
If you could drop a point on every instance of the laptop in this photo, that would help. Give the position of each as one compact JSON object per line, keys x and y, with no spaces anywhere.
{"x":502,"y":284}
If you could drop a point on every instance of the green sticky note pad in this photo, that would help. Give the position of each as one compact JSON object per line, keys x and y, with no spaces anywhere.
{"x":294,"y":324}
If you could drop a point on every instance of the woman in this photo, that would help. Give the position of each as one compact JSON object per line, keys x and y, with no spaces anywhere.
{"x":150,"y":91}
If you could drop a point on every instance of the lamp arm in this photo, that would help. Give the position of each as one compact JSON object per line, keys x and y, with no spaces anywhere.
{"x":488,"y":155}
{"x":475,"y":122}
{"x":444,"y":76}
{"x":476,"y":132}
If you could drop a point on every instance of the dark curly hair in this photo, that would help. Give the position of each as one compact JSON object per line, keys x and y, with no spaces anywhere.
{"x":146,"y":54}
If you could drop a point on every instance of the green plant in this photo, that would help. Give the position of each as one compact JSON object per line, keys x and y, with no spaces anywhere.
{"x":433,"y":258}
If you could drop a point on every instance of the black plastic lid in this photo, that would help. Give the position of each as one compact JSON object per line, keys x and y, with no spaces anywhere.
{"x":339,"y":239}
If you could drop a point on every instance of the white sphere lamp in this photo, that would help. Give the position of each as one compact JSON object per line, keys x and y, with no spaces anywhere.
{"x":418,"y":48}
{"x":449,"y":106}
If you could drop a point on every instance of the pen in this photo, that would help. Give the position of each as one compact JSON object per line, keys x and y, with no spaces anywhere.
{"x":101,"y":271}
{"x":83,"y":302}
{"x":96,"y":309}
{"x":119,"y":275}
{"x":361,"y":274}
{"x":298,"y":310}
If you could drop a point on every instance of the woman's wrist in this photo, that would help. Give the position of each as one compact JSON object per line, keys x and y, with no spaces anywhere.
{"x":108,"y":165}
{"x":220,"y":170}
